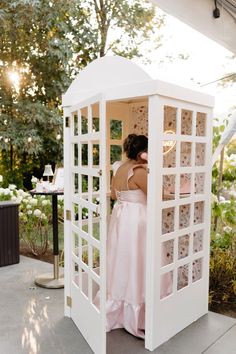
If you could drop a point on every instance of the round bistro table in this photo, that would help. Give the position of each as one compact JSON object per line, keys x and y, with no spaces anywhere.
{"x":48,"y":280}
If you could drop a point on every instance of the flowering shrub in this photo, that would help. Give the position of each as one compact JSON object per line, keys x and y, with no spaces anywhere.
{"x":223,"y":236}
{"x":35,"y":217}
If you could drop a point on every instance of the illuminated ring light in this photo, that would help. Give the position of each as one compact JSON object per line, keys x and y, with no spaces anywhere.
{"x":169,"y":143}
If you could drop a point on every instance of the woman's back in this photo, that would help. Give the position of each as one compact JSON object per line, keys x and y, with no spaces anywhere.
{"x":129,"y":181}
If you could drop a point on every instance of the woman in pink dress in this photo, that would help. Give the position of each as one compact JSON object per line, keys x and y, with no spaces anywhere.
{"x":127,"y":239}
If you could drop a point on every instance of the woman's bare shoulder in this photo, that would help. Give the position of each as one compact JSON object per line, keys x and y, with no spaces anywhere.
{"x":141,"y":168}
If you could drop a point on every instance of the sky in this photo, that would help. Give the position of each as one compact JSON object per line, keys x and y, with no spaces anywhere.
{"x":207,"y":61}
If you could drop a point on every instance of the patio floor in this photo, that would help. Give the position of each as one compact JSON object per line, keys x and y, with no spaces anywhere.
{"x":32,"y":322}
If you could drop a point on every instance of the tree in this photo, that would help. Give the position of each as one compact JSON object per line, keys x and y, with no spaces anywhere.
{"x":34,"y":49}
{"x":43,"y":45}
{"x":122,"y":25}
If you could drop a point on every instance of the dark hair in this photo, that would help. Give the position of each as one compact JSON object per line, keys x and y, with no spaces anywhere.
{"x":134,"y":144}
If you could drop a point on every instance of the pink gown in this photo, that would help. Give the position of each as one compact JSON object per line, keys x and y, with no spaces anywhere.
{"x":126,"y":250}
{"x":126,"y":243}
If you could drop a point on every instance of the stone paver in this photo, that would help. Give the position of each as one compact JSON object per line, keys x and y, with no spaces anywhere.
{"x":32,"y":322}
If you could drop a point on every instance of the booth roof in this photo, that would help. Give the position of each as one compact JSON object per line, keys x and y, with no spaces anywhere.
{"x":119,"y":78}
{"x":108,"y":71}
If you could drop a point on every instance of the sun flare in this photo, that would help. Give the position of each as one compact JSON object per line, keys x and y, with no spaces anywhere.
{"x":15,"y":79}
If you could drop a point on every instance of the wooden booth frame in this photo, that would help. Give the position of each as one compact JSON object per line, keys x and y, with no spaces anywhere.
{"x":165,"y":315}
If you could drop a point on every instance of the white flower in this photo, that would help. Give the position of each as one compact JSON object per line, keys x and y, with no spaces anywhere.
{"x":21,"y":214}
{"x":37,"y":213}
{"x":6,"y":191}
{"x":29,"y":212}
{"x":227,"y":229}
{"x":221,"y":199}
{"x":61,"y":197}
{"x":12,"y":187}
{"x":20,"y":191}
{"x":42,"y":196}
{"x":19,"y":199}
{"x":233,"y":194}
{"x":43,"y":216}
{"x":33,"y":201}
{"x":45,"y":202}
{"x":34,"y":179}
{"x":1,"y":178}
{"x":214,"y":198}
{"x":28,"y":206}
{"x":14,"y":199}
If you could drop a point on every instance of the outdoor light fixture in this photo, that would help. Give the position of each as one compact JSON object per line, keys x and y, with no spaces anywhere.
{"x":216,"y":11}
{"x":48,"y":171}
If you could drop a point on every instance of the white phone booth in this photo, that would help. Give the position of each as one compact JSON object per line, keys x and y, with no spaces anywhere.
{"x":111,"y":98}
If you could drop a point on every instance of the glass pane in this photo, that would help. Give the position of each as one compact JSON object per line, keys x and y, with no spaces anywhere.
{"x":85,"y":251}
{"x":166,"y":284}
{"x":167,"y":252}
{"x":200,"y":154}
{"x":185,"y":185}
{"x":84,"y":186}
{"x":170,"y":117}
{"x":168,"y":220}
{"x":76,"y":183}
{"x":183,"y":246}
{"x":96,"y":226}
{"x":199,"y":183}
{"x":84,"y":153}
{"x":85,"y":283}
{"x":184,"y":216}
{"x":76,"y":155}
{"x":75,"y":124}
{"x":96,"y":295}
{"x":201,"y":124}
{"x":198,"y":212}
{"x":95,"y":155}
{"x":185,"y":154}
{"x":85,"y":217}
{"x":116,"y":129}
{"x":182,"y":277}
{"x":84,"y":120}
{"x":76,"y":244}
{"x":96,"y":260}
{"x":186,"y":122}
{"x":96,"y":182}
{"x":95,"y":117}
{"x":76,"y":273}
{"x":168,"y":187}
{"x":75,"y":213}
{"x":198,"y":241}
{"x":115,"y":153}
{"x":197,"y":269}
{"x":169,"y":153}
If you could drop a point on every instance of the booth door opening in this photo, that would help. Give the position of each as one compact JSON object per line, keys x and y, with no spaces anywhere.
{"x":178,"y":225}
{"x":88,"y":221}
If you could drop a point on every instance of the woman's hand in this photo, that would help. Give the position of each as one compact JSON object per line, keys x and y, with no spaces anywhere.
{"x":144,"y":156}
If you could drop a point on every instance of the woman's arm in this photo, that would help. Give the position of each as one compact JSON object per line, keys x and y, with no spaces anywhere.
{"x":113,"y":192}
{"x":140,"y":178}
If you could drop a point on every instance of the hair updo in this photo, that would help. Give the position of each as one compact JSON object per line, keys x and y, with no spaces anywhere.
{"x":134,"y":144}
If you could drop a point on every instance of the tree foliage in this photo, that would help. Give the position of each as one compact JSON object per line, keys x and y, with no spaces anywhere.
{"x":46,"y":43}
